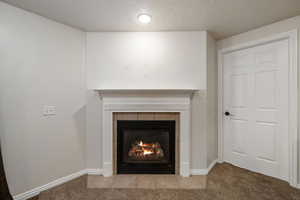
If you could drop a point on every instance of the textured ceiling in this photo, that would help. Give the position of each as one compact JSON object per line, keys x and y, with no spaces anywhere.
{"x":223,"y":18}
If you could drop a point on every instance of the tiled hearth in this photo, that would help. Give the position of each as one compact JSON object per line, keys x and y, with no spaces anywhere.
{"x":146,"y":182}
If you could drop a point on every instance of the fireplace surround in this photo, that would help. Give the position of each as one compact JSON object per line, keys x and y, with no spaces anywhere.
{"x":146,"y":146}
{"x":146,"y":101}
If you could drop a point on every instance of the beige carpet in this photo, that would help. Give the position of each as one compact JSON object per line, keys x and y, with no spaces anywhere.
{"x":225,"y":182}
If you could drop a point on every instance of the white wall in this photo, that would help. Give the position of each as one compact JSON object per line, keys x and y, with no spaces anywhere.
{"x":212,"y":101}
{"x":41,"y":63}
{"x":155,"y":60}
{"x":279,"y":27}
{"x":146,"y":60}
{"x":199,"y":130}
{"x":94,"y":130}
{"x":204,"y":113}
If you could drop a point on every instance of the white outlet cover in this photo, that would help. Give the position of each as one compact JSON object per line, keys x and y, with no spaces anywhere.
{"x":49,"y":110}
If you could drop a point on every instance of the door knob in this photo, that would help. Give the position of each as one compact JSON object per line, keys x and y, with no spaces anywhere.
{"x":227,"y":113}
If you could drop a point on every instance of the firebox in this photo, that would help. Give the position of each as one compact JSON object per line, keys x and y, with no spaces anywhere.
{"x":145,"y":147}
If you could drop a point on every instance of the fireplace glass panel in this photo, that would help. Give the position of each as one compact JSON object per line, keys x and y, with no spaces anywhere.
{"x":145,"y":147}
{"x":151,"y":146}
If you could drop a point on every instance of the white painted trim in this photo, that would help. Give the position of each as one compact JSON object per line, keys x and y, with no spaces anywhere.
{"x":292,"y":36}
{"x":212,"y":165}
{"x":150,"y":107}
{"x":112,"y":92}
{"x":199,"y":172}
{"x":94,"y":171}
{"x":204,"y":171}
{"x":37,"y":190}
{"x":120,"y":102}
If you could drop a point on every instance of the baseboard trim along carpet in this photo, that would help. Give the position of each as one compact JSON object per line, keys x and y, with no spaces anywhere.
{"x":37,"y":190}
{"x":94,"y":171}
{"x":203,"y":171}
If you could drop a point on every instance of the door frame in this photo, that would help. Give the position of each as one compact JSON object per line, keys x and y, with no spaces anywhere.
{"x":292,"y":37}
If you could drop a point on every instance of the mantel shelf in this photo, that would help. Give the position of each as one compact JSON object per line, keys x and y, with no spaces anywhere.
{"x":146,"y":91}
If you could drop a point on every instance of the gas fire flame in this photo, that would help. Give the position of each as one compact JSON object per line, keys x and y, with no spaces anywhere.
{"x":141,"y":150}
{"x":145,"y":151}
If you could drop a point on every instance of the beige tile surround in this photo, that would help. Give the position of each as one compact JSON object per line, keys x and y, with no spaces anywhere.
{"x":146,"y":116}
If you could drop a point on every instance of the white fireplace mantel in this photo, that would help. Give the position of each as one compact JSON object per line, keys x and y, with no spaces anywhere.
{"x":147,"y":101}
{"x":118,"y":92}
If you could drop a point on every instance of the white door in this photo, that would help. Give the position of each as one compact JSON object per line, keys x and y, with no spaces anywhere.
{"x":256,"y":96}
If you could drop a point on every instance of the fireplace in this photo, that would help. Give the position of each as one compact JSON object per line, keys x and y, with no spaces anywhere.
{"x":146,"y":147}
{"x":146,"y":105}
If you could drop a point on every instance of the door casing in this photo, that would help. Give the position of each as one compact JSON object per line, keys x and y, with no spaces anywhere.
{"x":292,"y":37}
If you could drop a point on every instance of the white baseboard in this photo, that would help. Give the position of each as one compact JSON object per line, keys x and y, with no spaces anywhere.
{"x":37,"y":190}
{"x":203,"y":171}
{"x":212,"y":165}
{"x":94,"y":171}
{"x":199,"y":172}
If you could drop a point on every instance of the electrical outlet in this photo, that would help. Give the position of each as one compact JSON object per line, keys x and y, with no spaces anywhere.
{"x":49,"y":110}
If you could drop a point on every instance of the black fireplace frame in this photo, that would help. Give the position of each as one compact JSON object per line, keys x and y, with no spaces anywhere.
{"x":146,"y":168}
